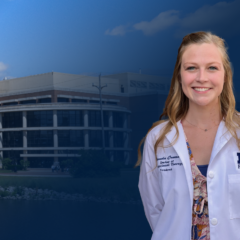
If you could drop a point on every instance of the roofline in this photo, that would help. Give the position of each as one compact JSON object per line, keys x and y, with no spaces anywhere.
{"x":48,"y":73}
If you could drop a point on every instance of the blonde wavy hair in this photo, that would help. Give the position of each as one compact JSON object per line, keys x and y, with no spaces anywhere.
{"x":177,"y":104}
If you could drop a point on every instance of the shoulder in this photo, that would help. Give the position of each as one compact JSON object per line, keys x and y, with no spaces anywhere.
{"x":154,"y":134}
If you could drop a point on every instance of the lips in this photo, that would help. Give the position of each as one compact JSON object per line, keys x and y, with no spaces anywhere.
{"x":201,"y":89}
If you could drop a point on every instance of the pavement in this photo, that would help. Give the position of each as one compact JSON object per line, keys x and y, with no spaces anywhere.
{"x":37,"y":172}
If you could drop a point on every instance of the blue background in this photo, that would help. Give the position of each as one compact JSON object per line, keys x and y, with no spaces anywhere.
{"x":89,"y":37}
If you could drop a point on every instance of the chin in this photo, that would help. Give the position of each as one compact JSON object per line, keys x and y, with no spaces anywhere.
{"x":204,"y":104}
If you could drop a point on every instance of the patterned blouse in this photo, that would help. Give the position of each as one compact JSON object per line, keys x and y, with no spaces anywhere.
{"x":200,"y":218}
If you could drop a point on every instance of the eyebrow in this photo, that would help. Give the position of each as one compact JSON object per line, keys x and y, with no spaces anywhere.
{"x":208,"y":63}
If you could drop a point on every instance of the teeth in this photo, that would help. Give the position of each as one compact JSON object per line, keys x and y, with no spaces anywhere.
{"x":201,"y":89}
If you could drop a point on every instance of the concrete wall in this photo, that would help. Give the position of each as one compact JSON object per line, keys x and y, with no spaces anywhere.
{"x":25,"y":84}
{"x":84,"y":83}
{"x":135,"y":83}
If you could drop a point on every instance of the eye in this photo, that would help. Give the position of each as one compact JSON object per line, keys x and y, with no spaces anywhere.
{"x":191,"y":68}
{"x":212,"y":68}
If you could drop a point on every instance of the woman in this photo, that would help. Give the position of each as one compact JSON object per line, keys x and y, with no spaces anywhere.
{"x":190,"y":172}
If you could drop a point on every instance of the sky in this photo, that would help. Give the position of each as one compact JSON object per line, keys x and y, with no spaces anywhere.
{"x":89,"y":37}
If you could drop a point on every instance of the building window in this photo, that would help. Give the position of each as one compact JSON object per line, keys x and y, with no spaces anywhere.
{"x":43,"y":138}
{"x":94,"y":101}
{"x":106,"y":136}
{"x":111,"y":103}
{"x":44,"y":100}
{"x":70,"y":138}
{"x":40,"y":118}
{"x":68,"y":151}
{"x":95,"y":138}
{"x":118,"y":140}
{"x":10,"y":103}
{"x":40,"y":162}
{"x":75,"y":100}
{"x":28,"y":102}
{"x":40,"y":152}
{"x":118,"y":119}
{"x":14,"y":155}
{"x":13,"y":139}
{"x":59,"y":99}
{"x":70,"y":118}
{"x":12,"y":120}
{"x":105,"y":118}
{"x":94,"y":118}
{"x":138,"y":84}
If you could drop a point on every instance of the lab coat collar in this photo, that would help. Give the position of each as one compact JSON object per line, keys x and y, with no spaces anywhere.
{"x":222,"y":137}
{"x":181,"y":148}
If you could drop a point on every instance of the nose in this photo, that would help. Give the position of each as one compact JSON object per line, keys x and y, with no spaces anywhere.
{"x":201,"y":75}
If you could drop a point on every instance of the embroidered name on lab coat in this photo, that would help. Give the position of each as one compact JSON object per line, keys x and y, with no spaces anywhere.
{"x":236,"y":158}
{"x":167,"y":163}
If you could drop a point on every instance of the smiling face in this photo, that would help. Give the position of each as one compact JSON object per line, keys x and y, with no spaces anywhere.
{"x":202,"y":74}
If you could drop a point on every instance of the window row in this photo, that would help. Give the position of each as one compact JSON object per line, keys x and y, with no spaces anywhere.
{"x":65,"y":118}
{"x":32,"y":101}
{"x":59,"y":99}
{"x":73,"y":100}
{"x":66,"y":138}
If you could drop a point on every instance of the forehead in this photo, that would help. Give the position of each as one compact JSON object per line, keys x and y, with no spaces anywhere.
{"x":205,"y":52}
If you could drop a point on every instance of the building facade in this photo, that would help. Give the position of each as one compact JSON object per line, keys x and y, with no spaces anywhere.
{"x":48,"y":118}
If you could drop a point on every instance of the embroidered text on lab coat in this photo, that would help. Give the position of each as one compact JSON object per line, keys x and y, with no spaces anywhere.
{"x":166,"y":163}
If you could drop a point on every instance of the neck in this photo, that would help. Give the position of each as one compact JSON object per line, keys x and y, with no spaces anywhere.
{"x":204,"y":116}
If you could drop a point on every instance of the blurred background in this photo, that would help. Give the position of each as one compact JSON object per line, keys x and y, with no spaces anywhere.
{"x":81,"y":82}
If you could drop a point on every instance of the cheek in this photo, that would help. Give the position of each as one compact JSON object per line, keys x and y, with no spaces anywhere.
{"x":218,"y":81}
{"x":185,"y":85}
{"x":186,"y":80}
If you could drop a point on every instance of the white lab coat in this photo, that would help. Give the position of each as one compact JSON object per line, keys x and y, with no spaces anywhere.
{"x":167,"y":190}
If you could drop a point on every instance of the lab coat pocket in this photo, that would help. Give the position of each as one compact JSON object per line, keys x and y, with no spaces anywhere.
{"x":234,"y":195}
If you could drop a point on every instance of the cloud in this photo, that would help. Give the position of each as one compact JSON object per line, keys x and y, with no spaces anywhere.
{"x":117,"y":31}
{"x":159,"y":23}
{"x":3,"y":67}
{"x":221,"y":18}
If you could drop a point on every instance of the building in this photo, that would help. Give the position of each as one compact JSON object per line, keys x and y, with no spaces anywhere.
{"x":48,"y":117}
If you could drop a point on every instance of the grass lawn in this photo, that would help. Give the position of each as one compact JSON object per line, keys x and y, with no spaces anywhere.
{"x":124,"y":187}
{"x":5,"y":171}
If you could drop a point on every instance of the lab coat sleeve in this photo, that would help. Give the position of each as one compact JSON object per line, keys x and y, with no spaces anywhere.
{"x":149,"y":186}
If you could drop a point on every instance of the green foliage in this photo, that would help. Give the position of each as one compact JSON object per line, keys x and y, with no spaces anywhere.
{"x":7,"y":164}
{"x":18,"y":191}
{"x":4,"y":193}
{"x":123,"y":187}
{"x":66,"y":163}
{"x":93,"y":163}
{"x":24,"y":164}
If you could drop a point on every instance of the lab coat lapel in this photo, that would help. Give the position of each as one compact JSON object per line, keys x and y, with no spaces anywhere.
{"x":222,"y":137}
{"x":181,"y":148}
